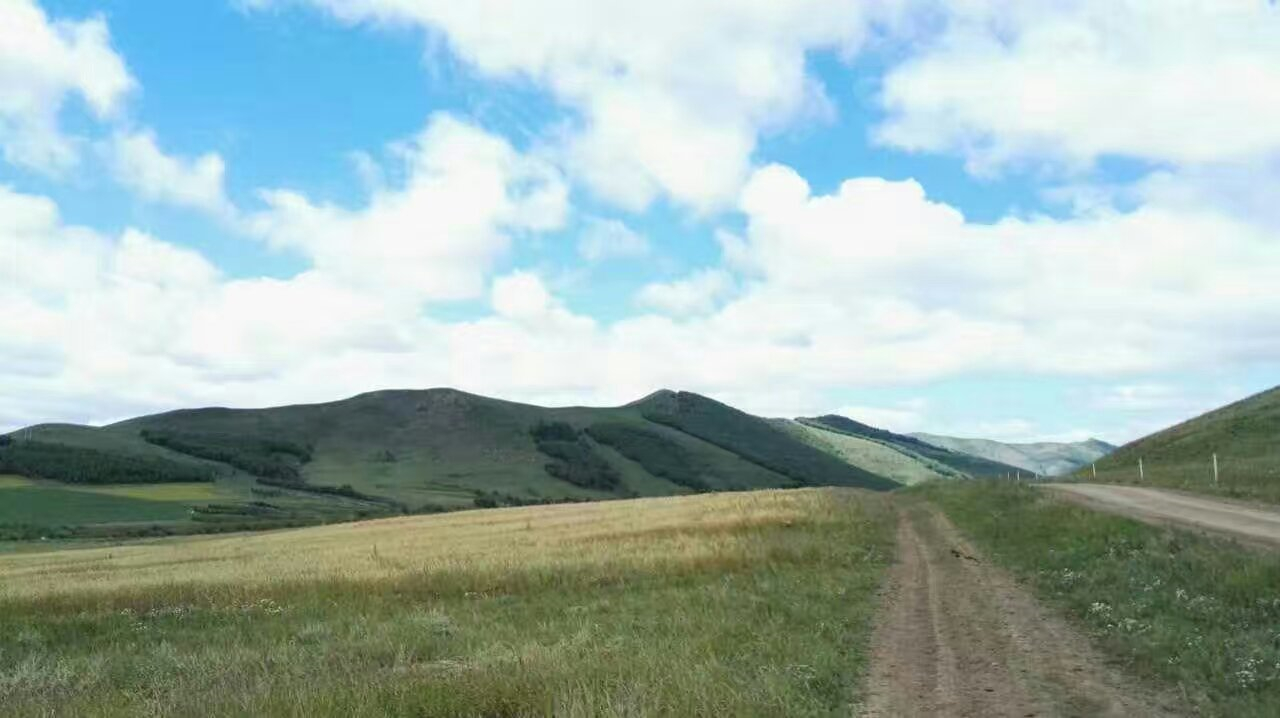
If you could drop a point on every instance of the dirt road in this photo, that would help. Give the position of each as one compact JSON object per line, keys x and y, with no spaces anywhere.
{"x":957,"y":637}
{"x":1170,"y":507}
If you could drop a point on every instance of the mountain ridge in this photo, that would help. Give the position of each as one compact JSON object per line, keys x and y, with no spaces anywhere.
{"x":1045,"y":458}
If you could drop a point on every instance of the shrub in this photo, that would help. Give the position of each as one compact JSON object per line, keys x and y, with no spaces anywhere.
{"x":657,"y":454}
{"x":80,"y":465}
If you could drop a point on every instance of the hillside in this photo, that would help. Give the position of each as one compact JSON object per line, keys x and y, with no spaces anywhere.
{"x":882,"y":459}
{"x":940,"y":460}
{"x":1046,"y":458}
{"x":1245,"y":435}
{"x":397,"y":451}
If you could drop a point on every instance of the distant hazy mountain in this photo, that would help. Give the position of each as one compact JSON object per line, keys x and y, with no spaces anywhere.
{"x":1046,"y":458}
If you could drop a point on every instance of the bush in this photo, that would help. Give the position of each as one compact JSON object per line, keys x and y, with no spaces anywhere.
{"x":657,"y":454}
{"x":268,"y":457}
{"x":574,"y":459}
{"x":554,"y":431}
{"x":79,"y":465}
{"x":756,"y":441}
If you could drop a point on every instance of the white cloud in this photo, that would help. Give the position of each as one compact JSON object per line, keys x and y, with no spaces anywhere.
{"x":904,"y":418}
{"x":43,"y":62}
{"x":435,"y":237}
{"x":1068,"y":82}
{"x":143,"y":167}
{"x":696,"y":294}
{"x":604,"y":239}
{"x":671,"y":95}
{"x":1111,"y":292}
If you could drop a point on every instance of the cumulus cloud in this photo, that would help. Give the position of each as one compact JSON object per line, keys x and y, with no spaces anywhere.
{"x":1068,"y":82}
{"x":906,"y":417}
{"x":43,"y":62}
{"x":198,"y":183}
{"x":671,"y":96}
{"x":694,"y":294}
{"x":436,"y":236}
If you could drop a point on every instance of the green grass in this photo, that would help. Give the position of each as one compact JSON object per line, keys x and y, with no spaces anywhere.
{"x":1245,"y":436}
{"x":39,"y":506}
{"x":1201,"y":616}
{"x":939,"y":459}
{"x":756,"y":440}
{"x":883,"y":459}
{"x":422,"y":451}
{"x":730,"y":604}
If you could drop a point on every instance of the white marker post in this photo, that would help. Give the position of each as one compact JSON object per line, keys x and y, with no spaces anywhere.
{"x":1095,"y":470}
{"x":1215,"y":469}
{"x":1142,"y":475}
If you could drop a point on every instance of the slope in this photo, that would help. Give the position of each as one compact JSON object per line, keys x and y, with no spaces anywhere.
{"x":942,"y":460}
{"x":755,"y":439}
{"x":438,"y":449}
{"x":1047,"y":458}
{"x":881,"y":459}
{"x":1245,"y":436}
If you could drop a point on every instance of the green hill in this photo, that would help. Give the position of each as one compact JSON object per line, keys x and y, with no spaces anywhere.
{"x":953,"y":464}
{"x":396,"y":451}
{"x":873,"y":456}
{"x":1245,"y":436}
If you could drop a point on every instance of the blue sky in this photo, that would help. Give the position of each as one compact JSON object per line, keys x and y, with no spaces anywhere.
{"x":935,"y":216}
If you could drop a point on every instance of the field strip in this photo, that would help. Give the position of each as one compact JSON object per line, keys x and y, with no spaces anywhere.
{"x":1168,"y":507}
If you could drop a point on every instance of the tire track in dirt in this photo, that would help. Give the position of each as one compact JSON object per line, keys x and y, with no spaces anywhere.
{"x":958,"y":637}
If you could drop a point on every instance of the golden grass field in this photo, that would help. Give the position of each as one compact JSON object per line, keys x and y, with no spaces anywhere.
{"x":721,"y":604}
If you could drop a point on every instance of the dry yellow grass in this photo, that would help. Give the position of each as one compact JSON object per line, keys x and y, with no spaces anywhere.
{"x":717,"y":604}
{"x":623,"y":535}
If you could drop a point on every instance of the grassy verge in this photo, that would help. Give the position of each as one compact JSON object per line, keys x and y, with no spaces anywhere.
{"x":1255,"y":479}
{"x":1200,"y":615}
{"x":725,"y":604}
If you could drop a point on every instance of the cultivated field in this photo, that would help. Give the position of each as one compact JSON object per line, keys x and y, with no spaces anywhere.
{"x":725,"y":604}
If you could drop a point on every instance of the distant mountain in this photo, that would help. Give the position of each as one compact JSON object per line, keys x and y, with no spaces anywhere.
{"x":929,"y":461}
{"x":1045,"y":458}
{"x":391,"y":451}
{"x":1245,"y":436}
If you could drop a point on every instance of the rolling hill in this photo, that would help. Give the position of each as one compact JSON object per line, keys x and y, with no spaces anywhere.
{"x":412,"y":451}
{"x":938,"y":460}
{"x":1046,"y":458}
{"x":1245,"y":436}
{"x":882,"y":459}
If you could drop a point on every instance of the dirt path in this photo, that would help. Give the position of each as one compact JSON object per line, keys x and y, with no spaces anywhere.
{"x":958,"y":637}
{"x":1170,"y":507}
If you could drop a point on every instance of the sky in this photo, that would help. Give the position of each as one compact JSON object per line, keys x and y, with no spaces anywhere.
{"x":1021,"y":221}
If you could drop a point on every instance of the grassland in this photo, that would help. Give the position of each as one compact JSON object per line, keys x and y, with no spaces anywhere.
{"x":720,"y":604}
{"x":887,"y":461}
{"x":953,"y":463}
{"x":45,"y":506}
{"x":1243,"y":435}
{"x":1197,"y":615}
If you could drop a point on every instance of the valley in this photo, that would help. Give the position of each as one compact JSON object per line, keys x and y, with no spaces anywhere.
{"x":439,"y":553}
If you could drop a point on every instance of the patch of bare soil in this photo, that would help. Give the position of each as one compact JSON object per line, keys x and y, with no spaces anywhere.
{"x":958,"y":637}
